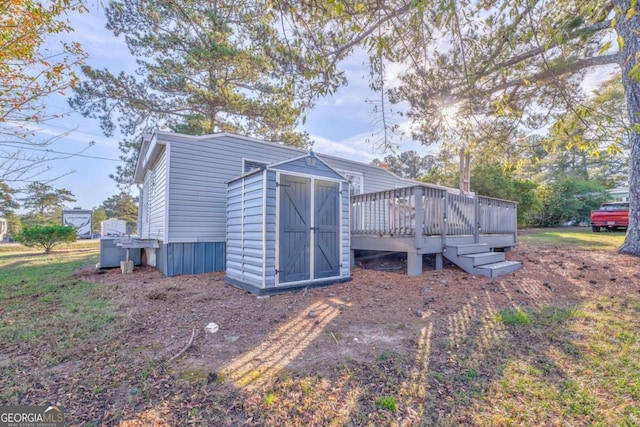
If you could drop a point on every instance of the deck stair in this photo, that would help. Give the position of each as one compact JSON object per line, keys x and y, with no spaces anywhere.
{"x":479,"y":259}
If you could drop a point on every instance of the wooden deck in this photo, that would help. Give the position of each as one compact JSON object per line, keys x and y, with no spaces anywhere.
{"x":424,"y":219}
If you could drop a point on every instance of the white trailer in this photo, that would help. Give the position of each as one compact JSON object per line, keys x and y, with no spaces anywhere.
{"x":113,"y":227}
{"x":79,"y":219}
{"x":4,"y":226}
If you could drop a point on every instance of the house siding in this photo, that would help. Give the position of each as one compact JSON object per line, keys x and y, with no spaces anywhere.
{"x":151,"y":223}
{"x":175,"y":259}
{"x":200,"y":169}
{"x":157,"y":197}
{"x":375,"y":178}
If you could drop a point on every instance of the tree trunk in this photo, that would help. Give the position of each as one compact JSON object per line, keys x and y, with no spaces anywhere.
{"x":627,"y":29}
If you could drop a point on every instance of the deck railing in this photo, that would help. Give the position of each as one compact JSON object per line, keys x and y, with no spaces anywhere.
{"x":433,"y":210}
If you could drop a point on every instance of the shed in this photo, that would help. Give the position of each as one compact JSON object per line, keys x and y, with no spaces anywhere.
{"x":288,"y":227}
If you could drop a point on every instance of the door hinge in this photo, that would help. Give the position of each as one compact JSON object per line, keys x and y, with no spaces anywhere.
{"x":277,"y":271}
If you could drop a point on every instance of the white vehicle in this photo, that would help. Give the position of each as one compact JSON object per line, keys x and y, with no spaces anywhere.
{"x":79,"y":219}
{"x":3,"y":229}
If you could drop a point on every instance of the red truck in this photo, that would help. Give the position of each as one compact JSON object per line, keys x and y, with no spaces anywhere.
{"x":610,"y":215}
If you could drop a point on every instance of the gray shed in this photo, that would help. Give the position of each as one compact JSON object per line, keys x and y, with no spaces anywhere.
{"x":288,"y":227}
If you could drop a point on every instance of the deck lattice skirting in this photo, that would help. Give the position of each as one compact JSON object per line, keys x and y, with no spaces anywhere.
{"x":424,"y":219}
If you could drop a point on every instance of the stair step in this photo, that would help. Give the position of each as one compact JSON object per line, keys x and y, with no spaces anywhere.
{"x":484,"y":258}
{"x":472,"y":248}
{"x":499,"y":268}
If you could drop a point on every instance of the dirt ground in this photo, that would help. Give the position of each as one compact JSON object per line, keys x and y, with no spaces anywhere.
{"x":380,"y":310}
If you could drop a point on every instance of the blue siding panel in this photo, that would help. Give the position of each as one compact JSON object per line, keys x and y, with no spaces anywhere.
{"x":192,"y":258}
{"x":161,"y":259}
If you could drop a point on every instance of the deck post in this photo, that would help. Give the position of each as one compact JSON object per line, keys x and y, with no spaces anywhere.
{"x":418,"y":229}
{"x":352,"y":258}
{"x":445,"y":214}
{"x":439,"y":261}
{"x":476,"y":222}
{"x":414,"y":264}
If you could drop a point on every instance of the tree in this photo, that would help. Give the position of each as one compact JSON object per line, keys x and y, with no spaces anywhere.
{"x":8,"y":202}
{"x":592,"y":140}
{"x":518,"y":60}
{"x":496,"y":181}
{"x":204,"y":66}
{"x":98,"y":215}
{"x":45,"y":203}
{"x":29,"y":73}
{"x":46,"y":236}
{"x":122,"y":206}
{"x":523,"y":61}
{"x":568,"y":200}
{"x":408,"y":164}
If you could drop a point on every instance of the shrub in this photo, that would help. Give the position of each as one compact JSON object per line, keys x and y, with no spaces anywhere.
{"x":46,"y":236}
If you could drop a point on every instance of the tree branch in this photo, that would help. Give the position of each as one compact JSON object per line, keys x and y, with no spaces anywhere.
{"x":541,"y":49}
{"x":558,"y":70}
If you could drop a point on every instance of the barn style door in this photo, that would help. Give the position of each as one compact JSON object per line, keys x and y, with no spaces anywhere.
{"x":296,"y":225}
{"x":295,"y":229}
{"x":326,"y":229}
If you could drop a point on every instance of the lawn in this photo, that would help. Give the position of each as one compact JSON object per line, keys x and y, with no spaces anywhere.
{"x":568,"y":355}
{"x":574,"y":237}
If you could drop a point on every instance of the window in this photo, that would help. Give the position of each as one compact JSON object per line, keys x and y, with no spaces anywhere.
{"x":356,"y":182}
{"x":249,"y":165}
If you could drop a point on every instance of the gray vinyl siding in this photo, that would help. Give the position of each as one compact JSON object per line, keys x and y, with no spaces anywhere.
{"x":245,"y":230}
{"x":143,"y":211}
{"x":270,"y":236}
{"x":234,"y":230}
{"x":375,"y":178}
{"x":157,"y":197}
{"x":346,"y":235}
{"x":151,"y":221}
{"x":200,"y":170}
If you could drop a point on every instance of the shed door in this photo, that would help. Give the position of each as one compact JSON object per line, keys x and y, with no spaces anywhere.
{"x":295,"y":229}
{"x":327,"y":229}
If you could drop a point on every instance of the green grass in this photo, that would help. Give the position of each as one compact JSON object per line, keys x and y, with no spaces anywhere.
{"x":582,"y":369}
{"x":44,"y":306}
{"x":513,"y":316}
{"x":578,"y":238}
{"x":12,"y":248}
{"x":387,"y":402}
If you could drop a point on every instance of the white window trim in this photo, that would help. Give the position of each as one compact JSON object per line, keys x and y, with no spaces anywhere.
{"x":353,"y":174}
{"x":245,"y":160}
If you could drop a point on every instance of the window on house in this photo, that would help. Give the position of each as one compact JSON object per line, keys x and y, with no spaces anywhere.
{"x":356,"y":182}
{"x":249,"y":165}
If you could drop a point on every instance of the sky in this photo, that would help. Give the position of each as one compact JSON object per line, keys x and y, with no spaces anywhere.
{"x":339,"y":124}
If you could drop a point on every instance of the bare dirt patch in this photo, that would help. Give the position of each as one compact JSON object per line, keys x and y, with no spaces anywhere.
{"x":375,"y":312}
